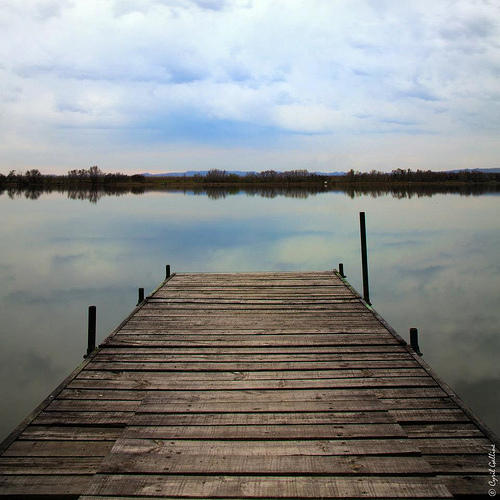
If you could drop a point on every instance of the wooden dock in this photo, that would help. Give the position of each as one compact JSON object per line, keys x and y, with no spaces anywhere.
{"x":250,"y":385}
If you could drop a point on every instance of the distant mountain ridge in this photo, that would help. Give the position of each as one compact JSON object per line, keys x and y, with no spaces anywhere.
{"x":192,"y":173}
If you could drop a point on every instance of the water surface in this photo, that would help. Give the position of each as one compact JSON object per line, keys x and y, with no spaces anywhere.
{"x":434,"y":264}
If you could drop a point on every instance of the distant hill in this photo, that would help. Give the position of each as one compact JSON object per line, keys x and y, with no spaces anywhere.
{"x":485,"y":170}
{"x":192,"y":173}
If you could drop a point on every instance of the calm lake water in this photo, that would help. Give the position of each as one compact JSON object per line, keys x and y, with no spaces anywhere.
{"x":434,"y":264}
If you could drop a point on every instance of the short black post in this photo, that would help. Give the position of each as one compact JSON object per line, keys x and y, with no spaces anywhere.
{"x":364,"y":258}
{"x":414,"y":341}
{"x":167,"y":274}
{"x":141,"y":295}
{"x":92,"y":330}
{"x":341,"y":270}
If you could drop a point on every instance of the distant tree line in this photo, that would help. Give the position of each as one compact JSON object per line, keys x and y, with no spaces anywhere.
{"x":92,"y":176}
{"x":216,"y":176}
{"x":421,"y":176}
{"x":299,"y":177}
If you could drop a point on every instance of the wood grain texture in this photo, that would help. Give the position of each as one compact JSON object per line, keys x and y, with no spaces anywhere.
{"x":249,"y":385}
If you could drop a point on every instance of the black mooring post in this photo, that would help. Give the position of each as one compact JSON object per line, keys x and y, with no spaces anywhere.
{"x":414,"y":341}
{"x":92,"y":330}
{"x":364,"y":257}
{"x":141,"y":295}
{"x":167,"y":274}
{"x":341,"y":270}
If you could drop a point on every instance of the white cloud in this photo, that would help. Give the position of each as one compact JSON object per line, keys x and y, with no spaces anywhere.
{"x":171,"y":69}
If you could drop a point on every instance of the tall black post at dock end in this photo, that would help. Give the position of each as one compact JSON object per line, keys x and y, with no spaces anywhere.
{"x":341,"y":270}
{"x":141,"y":296}
{"x":414,"y":341}
{"x":91,"y":330}
{"x":364,"y":258}
{"x":167,"y":271}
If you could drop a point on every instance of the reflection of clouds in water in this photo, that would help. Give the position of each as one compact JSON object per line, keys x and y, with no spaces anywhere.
{"x":424,"y":273}
{"x":279,"y":253}
{"x":58,"y":260}
{"x":400,"y":243}
{"x":32,"y":376}
{"x":7,"y":273}
{"x":24,"y":297}
{"x":484,"y":396}
{"x":79,"y":256}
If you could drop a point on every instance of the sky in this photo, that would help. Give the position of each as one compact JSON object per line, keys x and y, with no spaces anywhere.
{"x":175,"y":85}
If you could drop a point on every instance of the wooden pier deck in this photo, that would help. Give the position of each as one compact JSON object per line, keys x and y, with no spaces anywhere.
{"x":250,"y":385}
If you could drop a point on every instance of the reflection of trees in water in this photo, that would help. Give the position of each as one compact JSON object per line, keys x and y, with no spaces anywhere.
{"x":420,"y":191}
{"x":30,"y":193}
{"x":216,"y":193}
{"x":353,"y":191}
{"x":95,"y":194}
{"x":73,"y":193}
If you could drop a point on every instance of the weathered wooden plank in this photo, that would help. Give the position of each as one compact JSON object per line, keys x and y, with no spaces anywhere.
{"x":335,"y":360}
{"x":110,"y":418}
{"x":245,"y":325}
{"x":268,"y":432}
{"x":458,"y":464}
{"x":58,"y":448}
{"x":410,"y":403}
{"x":331,"y":293}
{"x":211,"y":331}
{"x":98,"y":394}
{"x":422,"y":416}
{"x":146,"y":463}
{"x":266,"y":487}
{"x":341,"y":351}
{"x":151,"y":382}
{"x":445,"y":429}
{"x":296,"y":418}
{"x":267,"y":275}
{"x":467,"y":486}
{"x":161,"y":340}
{"x":249,"y":318}
{"x":49,"y":465}
{"x":253,"y":291}
{"x":257,"y":395}
{"x":166,"y":405}
{"x":452,"y":445}
{"x":302,"y":447}
{"x":249,"y":286}
{"x":189,"y":302}
{"x":236,"y":375}
{"x":61,"y":405}
{"x":116,"y":363}
{"x":229,"y":330}
{"x":34,"y":486}
{"x":298,"y":280}
{"x":292,"y":312}
{"x":54,"y":433}
{"x":260,"y":275}
{"x":242,"y":282}
{"x":185,"y":308}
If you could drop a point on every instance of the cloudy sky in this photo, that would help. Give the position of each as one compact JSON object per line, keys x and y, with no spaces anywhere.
{"x":174,"y":85}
